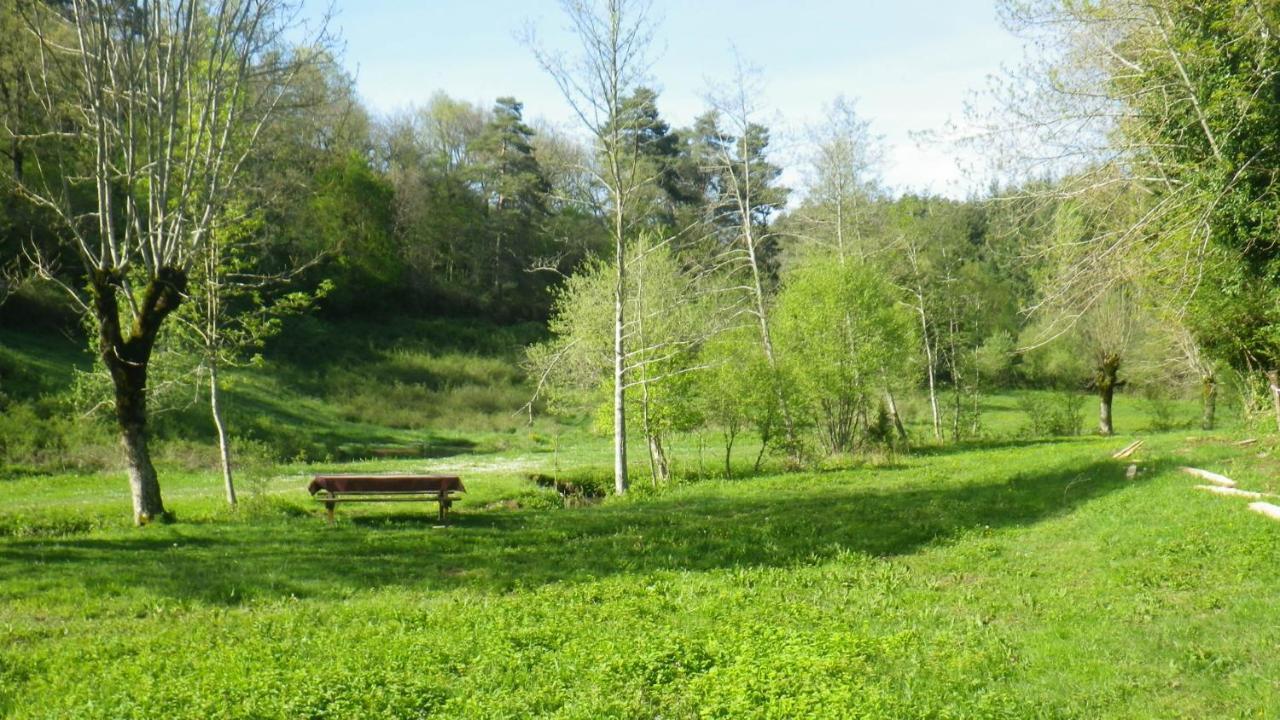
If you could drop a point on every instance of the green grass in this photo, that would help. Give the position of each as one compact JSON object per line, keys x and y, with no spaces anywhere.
{"x":1000,"y":577}
{"x":1020,"y":580}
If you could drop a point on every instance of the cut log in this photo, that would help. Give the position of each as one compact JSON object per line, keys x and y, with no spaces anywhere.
{"x":1232,"y":492}
{"x":1127,"y":450}
{"x":1212,"y":477}
{"x":1249,"y":441}
{"x":1271,"y":511}
{"x":1131,"y":472}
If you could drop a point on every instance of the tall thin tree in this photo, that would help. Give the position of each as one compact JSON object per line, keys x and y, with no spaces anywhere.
{"x":612,"y":61}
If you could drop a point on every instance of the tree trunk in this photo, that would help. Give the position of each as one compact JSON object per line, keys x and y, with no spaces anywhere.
{"x":895,"y":417}
{"x":127,"y":360}
{"x":662,"y":467}
{"x":929,"y":367}
{"x":1208,"y":401}
{"x":619,"y":361}
{"x":1273,"y":383}
{"x":144,"y":486}
{"x":1106,"y":381}
{"x":728,"y":454}
{"x":224,"y":444}
{"x":766,"y":434}
{"x":766,"y":340}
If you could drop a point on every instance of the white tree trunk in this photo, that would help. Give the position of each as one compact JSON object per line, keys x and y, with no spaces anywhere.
{"x":619,"y":361}
{"x":224,"y":443}
{"x":929,"y":366}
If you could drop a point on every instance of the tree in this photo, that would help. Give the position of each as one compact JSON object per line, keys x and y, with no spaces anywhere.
{"x":165,"y":101}
{"x":614,"y":36}
{"x":843,"y":331}
{"x":514,"y":187}
{"x":841,"y":187}
{"x":735,"y":392}
{"x":674,"y":313}
{"x":1171,"y":103}
{"x":748,"y":197}
{"x":233,"y":307}
{"x":935,"y":251}
{"x":1108,"y":331}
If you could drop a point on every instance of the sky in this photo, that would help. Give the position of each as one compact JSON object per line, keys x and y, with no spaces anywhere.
{"x":910,"y":65}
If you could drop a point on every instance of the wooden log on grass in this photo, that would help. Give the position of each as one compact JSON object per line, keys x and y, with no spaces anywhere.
{"x":1264,"y":508}
{"x":1231,"y":492}
{"x":1127,"y":450}
{"x":1212,"y":477}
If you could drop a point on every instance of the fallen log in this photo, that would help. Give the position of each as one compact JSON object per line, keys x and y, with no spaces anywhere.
{"x":1212,"y":477}
{"x":1127,"y":450}
{"x":1249,"y":441}
{"x":1232,"y":492}
{"x":1271,"y":511}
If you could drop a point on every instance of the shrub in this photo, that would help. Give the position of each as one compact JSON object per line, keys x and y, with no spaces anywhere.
{"x":44,"y":437}
{"x":1053,"y":414}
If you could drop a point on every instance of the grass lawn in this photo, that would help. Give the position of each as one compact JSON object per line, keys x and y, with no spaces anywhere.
{"x":1008,"y":580}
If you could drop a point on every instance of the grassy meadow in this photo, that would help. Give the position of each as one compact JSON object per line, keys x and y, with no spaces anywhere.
{"x":1010,"y":577}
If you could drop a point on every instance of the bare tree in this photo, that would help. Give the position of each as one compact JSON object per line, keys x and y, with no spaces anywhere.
{"x":166,"y":100}
{"x":738,"y":162}
{"x":841,"y":183}
{"x":611,"y":63}
{"x":1108,"y":332}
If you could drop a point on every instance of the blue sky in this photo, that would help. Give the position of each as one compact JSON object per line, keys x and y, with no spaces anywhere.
{"x":910,"y":64}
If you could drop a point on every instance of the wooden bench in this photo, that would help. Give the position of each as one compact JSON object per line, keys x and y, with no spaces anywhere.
{"x":334,"y":489}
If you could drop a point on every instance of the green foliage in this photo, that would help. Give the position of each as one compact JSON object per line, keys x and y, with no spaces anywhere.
{"x":1053,"y":414}
{"x":735,"y":393}
{"x":842,"y":335}
{"x":994,"y":359}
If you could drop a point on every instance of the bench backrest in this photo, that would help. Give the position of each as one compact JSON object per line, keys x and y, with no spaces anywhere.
{"x":385,"y":483}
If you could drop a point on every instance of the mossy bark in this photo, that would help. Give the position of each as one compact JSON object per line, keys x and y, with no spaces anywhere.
{"x":1273,"y":387}
{"x":1208,"y":402}
{"x":127,"y":357}
{"x":1107,"y":371}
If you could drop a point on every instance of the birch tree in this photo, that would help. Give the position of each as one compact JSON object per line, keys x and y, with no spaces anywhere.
{"x":841,"y":184}
{"x":748,"y":197}
{"x":164,"y":102}
{"x":611,"y":62}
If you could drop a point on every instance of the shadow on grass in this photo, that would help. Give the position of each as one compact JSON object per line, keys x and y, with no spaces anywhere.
{"x":959,"y":448}
{"x":778,"y":522}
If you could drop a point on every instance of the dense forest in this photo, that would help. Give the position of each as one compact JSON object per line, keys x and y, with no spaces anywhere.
{"x":192,"y":215}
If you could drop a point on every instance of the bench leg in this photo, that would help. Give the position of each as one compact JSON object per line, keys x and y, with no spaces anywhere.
{"x":329,"y":511}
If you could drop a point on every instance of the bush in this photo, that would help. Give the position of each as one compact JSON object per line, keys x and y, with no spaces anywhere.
{"x":1161,"y":408}
{"x":43,"y":437}
{"x":1053,"y":414}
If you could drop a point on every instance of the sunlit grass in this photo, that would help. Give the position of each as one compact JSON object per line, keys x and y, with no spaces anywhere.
{"x":1012,"y":581}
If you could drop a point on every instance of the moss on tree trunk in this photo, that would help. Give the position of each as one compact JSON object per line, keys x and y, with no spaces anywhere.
{"x":1108,"y":369}
{"x":127,"y":357}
